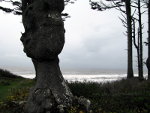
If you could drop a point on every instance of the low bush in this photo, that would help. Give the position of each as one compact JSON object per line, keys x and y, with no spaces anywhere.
{"x":124,"y":96}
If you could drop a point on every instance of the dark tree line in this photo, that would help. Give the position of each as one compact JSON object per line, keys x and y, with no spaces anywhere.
{"x":134,"y":35}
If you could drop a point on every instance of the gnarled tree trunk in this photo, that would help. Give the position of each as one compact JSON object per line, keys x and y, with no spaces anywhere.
{"x":43,"y":40}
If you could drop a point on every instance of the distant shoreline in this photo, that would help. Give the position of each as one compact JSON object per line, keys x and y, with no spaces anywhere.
{"x":81,"y":76}
{"x":101,"y":78}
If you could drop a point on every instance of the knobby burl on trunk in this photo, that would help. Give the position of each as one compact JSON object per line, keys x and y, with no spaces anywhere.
{"x":43,"y":40}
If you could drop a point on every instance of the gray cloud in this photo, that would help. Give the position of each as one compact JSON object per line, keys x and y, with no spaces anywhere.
{"x":94,"y":40}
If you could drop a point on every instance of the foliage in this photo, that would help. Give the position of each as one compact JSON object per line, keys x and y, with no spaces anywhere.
{"x":17,"y":6}
{"x":14,"y":96}
{"x":7,"y":74}
{"x":13,"y":86}
{"x":125,"y":96}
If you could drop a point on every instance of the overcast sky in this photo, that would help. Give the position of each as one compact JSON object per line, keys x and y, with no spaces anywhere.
{"x":94,"y":40}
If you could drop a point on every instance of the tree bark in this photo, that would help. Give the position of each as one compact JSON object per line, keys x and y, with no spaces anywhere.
{"x":148,"y":59}
{"x":136,"y":44}
{"x":129,"y":36}
{"x":138,"y":53}
{"x":43,"y":41}
{"x":50,"y":92}
{"x":140,"y":42}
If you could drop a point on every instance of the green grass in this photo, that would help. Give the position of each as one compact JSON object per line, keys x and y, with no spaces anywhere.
{"x":10,"y":81}
{"x":9,"y":84}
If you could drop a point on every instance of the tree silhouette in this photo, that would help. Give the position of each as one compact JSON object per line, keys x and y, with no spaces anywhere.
{"x":149,"y":38}
{"x":139,"y":44}
{"x":148,"y":59}
{"x":129,"y":35}
{"x":100,"y":6}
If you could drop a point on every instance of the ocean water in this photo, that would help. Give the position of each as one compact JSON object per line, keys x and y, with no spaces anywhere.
{"x":101,"y":78}
{"x":79,"y":75}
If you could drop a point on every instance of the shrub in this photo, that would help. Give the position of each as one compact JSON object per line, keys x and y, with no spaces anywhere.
{"x":7,"y":74}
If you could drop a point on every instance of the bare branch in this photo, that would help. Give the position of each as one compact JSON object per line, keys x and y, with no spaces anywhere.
{"x":134,"y":40}
{"x":102,"y":6}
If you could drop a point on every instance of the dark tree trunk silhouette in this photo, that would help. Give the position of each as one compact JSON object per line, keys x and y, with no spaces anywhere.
{"x":129,"y":36}
{"x":136,"y":44}
{"x":148,"y":59}
{"x":117,"y":4}
{"x":140,"y":41}
{"x":43,"y":40}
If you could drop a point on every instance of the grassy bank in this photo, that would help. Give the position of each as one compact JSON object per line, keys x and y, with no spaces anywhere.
{"x":125,"y":96}
{"x":10,"y":82}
